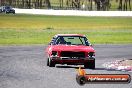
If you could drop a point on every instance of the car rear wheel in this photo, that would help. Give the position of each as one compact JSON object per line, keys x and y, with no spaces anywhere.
{"x":90,"y":64}
{"x":50,"y":63}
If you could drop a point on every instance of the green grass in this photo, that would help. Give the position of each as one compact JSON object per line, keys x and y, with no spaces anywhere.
{"x":63,"y":22}
{"x":38,"y":29}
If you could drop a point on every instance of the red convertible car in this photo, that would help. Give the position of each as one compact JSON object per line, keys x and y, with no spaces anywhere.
{"x":70,"y":49}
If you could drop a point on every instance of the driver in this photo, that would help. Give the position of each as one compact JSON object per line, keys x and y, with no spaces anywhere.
{"x":61,"y":40}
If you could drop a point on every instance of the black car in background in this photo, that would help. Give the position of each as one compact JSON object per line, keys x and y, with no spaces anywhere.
{"x":7,"y":9}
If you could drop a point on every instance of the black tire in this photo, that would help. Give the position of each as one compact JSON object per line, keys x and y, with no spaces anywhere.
{"x":51,"y":63}
{"x":6,"y":12}
{"x":90,"y":64}
{"x":48,"y":62}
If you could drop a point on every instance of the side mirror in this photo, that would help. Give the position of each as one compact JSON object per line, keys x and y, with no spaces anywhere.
{"x":91,"y":45}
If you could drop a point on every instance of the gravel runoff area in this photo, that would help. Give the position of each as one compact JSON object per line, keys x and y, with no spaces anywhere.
{"x":73,"y":12}
{"x":25,"y":67}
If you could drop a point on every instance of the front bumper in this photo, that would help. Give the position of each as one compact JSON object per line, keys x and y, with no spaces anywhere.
{"x":71,"y":61}
{"x":10,"y":11}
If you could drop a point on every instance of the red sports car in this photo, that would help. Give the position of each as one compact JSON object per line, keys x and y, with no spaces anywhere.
{"x":70,"y":49}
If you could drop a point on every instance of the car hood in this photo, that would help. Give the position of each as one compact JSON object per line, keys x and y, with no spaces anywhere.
{"x":12,"y":9}
{"x":72,"y":48}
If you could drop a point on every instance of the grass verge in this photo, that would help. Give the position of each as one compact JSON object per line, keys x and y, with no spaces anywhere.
{"x":12,"y":36}
{"x":38,"y":29}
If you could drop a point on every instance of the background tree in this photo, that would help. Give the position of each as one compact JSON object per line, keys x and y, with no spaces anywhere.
{"x":130,"y":5}
{"x":120,"y":5}
{"x":48,"y":3}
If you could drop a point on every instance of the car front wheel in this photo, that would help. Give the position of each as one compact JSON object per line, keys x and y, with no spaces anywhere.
{"x":90,"y":64}
{"x":50,"y":63}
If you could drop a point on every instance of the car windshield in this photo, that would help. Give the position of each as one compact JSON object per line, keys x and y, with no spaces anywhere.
{"x":72,"y":40}
{"x":7,"y":7}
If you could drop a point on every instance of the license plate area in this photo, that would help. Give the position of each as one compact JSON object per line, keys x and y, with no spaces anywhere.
{"x":71,"y":58}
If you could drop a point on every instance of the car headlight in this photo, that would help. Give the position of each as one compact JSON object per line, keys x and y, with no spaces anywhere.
{"x":54,"y":53}
{"x":91,"y":54}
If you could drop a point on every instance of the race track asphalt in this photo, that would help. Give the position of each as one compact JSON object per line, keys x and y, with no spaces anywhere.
{"x":25,"y":67}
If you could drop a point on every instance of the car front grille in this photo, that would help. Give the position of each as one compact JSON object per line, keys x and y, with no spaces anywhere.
{"x":72,"y":54}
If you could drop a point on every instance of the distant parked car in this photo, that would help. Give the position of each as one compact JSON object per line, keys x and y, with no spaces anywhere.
{"x":7,"y":9}
{"x":0,"y":9}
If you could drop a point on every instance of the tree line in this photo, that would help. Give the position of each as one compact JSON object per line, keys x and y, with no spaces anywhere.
{"x":102,"y":5}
